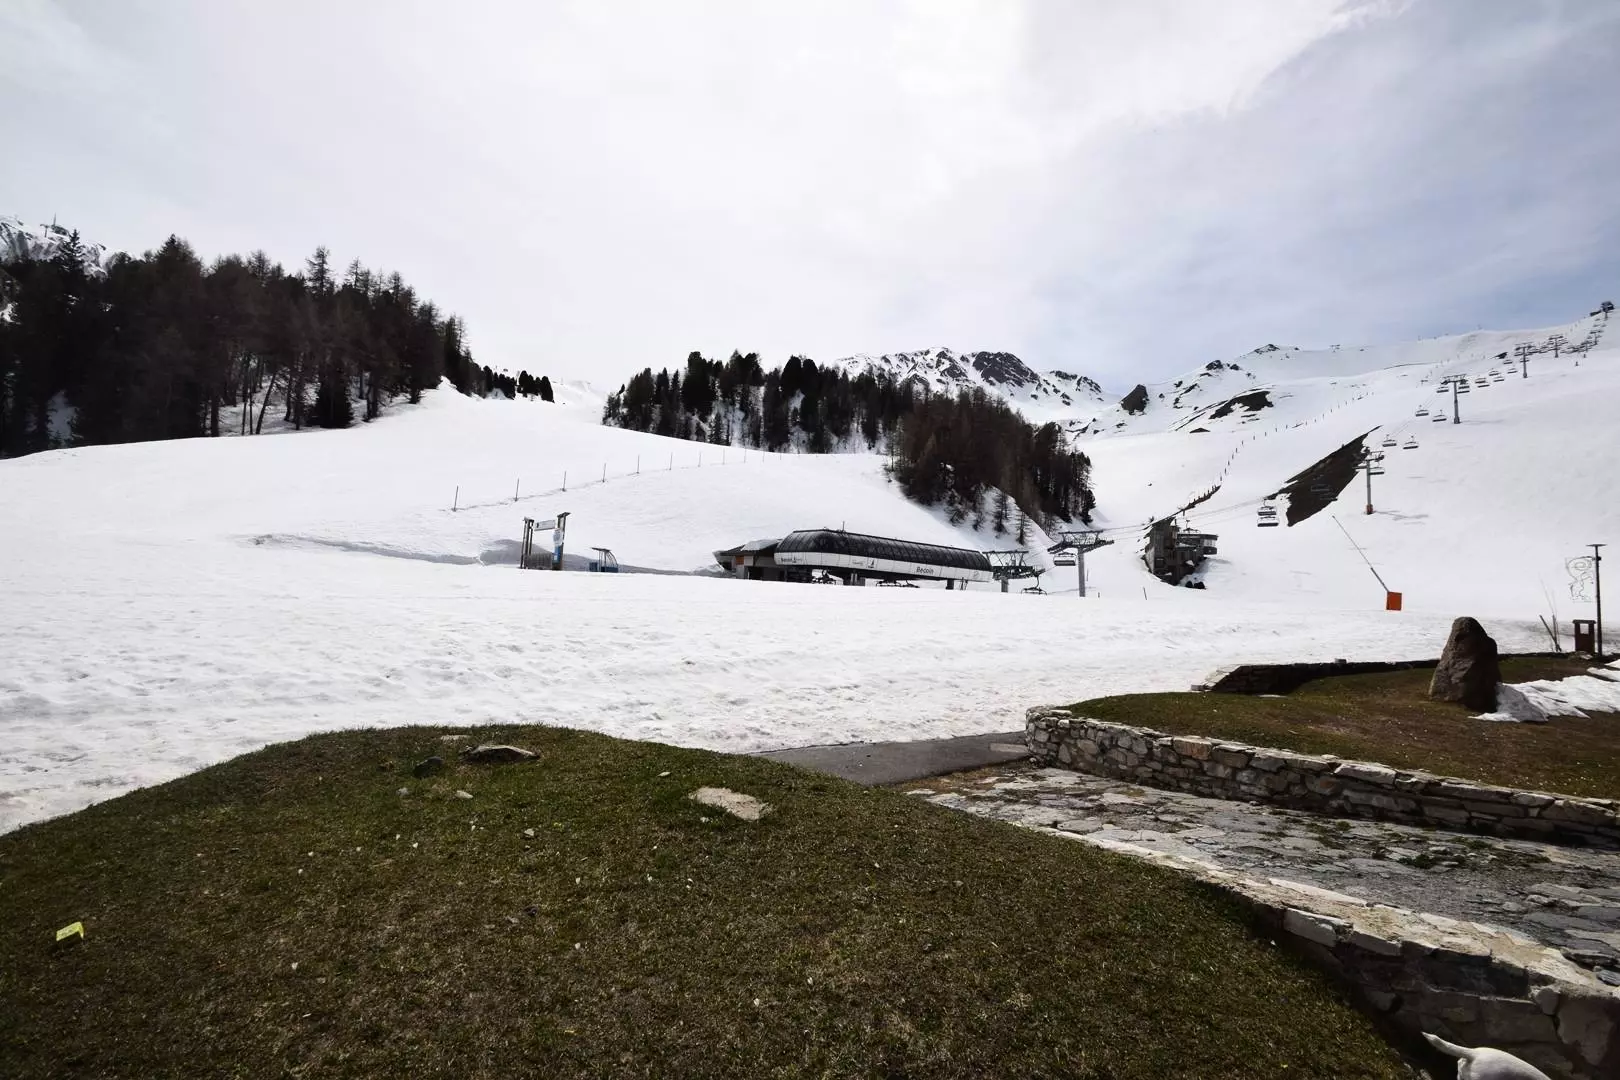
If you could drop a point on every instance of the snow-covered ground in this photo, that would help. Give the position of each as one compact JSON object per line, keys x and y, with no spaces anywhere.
{"x":131,"y":663}
{"x":1479,"y":517}
{"x":167,"y":605}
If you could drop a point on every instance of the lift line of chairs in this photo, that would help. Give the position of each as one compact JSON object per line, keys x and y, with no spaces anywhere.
{"x":1267,"y":518}
{"x":1268,"y":511}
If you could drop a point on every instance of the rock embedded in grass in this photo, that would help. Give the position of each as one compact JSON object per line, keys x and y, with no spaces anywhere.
{"x":734,"y":803}
{"x":432,"y":766}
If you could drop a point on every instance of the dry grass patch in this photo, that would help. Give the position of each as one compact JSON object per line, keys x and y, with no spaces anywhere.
{"x":288,"y":913}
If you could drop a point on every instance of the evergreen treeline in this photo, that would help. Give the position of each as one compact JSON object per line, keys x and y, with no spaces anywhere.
{"x":957,"y":450}
{"x":736,"y":402}
{"x":156,"y":346}
{"x":951,"y":450}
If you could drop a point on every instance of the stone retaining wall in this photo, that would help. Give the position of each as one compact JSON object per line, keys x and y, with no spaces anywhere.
{"x":1324,"y":784}
{"x":1472,"y":984}
{"x":1286,"y":678}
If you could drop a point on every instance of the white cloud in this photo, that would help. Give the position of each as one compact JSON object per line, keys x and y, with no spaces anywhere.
{"x":601,"y":186}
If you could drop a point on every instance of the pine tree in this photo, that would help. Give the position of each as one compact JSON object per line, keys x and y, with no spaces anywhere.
{"x":545,"y":389}
{"x":333,"y":406}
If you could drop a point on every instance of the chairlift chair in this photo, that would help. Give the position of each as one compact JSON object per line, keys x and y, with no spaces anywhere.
{"x":1389,"y":440}
{"x":1423,"y":410}
{"x":1410,"y":443}
{"x":1438,"y":418}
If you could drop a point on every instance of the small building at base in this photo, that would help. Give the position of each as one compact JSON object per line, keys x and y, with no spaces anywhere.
{"x":756,"y":561}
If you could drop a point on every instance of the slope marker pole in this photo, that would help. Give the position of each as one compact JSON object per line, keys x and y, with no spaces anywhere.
{"x":1597,"y":577}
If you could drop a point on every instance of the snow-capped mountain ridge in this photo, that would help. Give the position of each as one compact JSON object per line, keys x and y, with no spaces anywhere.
{"x":19,"y":241}
{"x":1040,"y":395}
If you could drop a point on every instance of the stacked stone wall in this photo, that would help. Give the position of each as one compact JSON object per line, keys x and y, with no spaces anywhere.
{"x":1319,"y":783}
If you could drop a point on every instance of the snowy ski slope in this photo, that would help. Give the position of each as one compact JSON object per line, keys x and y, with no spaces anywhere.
{"x":1479,"y":516}
{"x":171,"y":604}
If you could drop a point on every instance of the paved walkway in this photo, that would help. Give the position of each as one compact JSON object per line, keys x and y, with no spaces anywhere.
{"x":898,"y":762}
{"x":1567,"y":898}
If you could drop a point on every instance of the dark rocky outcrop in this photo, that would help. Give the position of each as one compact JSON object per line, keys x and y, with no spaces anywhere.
{"x":1136,"y":401}
{"x":1003,"y":369}
{"x":1469,"y":669}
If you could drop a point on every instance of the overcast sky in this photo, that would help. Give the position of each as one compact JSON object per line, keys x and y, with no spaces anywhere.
{"x":1120,"y":189}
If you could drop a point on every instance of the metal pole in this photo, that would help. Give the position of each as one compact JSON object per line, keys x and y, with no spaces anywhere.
{"x":1366,"y":467}
{"x":1456,"y":417}
{"x":1597,"y":577}
{"x":1080,"y":561}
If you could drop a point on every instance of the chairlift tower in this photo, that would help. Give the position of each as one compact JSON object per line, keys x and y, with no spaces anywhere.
{"x":1079,"y":541}
{"x":1455,"y":381}
{"x":1523,"y":350}
{"x":1372,"y":465}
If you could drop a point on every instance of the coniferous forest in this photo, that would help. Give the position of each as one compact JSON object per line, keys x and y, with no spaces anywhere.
{"x":970,"y":452}
{"x":163,"y":346}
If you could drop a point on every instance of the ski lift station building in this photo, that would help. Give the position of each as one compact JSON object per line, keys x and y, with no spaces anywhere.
{"x":854,"y":558}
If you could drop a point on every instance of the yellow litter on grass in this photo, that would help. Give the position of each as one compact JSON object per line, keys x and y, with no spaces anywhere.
{"x":71,"y":930}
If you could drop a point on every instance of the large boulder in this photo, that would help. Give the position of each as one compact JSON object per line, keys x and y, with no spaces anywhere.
{"x":1468,"y":671}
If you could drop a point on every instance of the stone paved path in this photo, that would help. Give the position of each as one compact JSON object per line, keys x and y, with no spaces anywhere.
{"x":1568,"y":898}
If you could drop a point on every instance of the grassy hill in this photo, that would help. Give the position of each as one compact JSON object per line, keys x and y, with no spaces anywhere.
{"x":291,"y":913}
